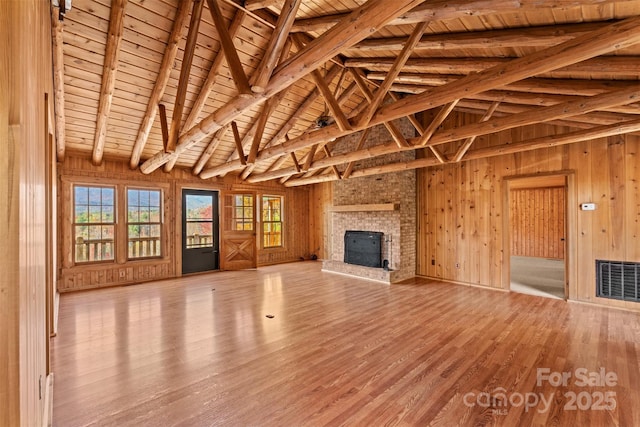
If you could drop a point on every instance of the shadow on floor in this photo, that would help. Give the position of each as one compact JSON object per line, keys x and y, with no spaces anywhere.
{"x":537,"y":276}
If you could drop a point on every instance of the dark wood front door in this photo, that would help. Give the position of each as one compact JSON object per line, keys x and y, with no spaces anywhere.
{"x":200,"y":236}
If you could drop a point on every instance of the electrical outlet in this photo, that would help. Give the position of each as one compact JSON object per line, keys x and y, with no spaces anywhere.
{"x":122,"y":274}
{"x":433,"y":262}
{"x":457,"y":265}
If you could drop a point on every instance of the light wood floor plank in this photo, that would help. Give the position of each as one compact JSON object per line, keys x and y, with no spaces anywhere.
{"x":200,"y":351}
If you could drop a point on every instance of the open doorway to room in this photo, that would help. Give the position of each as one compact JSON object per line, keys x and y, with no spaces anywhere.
{"x":537,"y":235}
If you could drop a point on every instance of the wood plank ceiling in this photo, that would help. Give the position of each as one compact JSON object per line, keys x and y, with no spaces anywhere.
{"x":266,"y":88}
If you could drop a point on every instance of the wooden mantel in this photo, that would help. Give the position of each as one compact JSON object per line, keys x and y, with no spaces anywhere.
{"x":366,"y":207}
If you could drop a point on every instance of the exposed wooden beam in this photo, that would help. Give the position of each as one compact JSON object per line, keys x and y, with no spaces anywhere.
{"x":185,"y":71}
{"x":612,"y":37}
{"x":599,"y":66}
{"x":208,"y":152}
{"x":578,"y":87}
{"x":310,"y":155}
{"x":510,"y":148}
{"x":581,"y":121}
{"x":306,"y":104}
{"x":438,"y":154}
{"x":436,"y":122}
{"x":393,"y":130}
{"x":238,"y":141}
{"x":261,"y":124}
{"x":164,"y":126}
{"x":531,"y":98}
{"x":544,"y":114}
{"x":437,"y":10}
{"x":335,"y":170}
{"x":276,"y":43}
{"x":261,"y":4}
{"x":398,"y":63}
{"x":332,"y":103}
{"x":361,"y":22}
{"x":467,"y":143}
{"x":206,"y":88}
{"x":363,"y":138}
{"x":248,"y":136}
{"x":270,"y":106}
{"x":109,"y":71}
{"x":230,"y":52}
{"x":58,"y":82}
{"x":412,"y":118}
{"x":542,"y":36}
{"x":296,"y":165}
{"x":160,"y":85}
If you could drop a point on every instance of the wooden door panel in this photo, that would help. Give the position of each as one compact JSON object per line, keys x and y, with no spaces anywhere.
{"x":238,"y":231}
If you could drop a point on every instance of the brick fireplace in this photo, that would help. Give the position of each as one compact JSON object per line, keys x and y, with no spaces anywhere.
{"x":384,"y":203}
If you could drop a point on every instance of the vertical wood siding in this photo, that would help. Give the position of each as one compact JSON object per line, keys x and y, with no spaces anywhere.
{"x":537,"y":222}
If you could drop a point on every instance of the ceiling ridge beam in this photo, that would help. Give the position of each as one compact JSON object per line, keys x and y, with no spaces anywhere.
{"x":160,"y":85}
{"x":360,"y":23}
{"x":109,"y":72}
{"x":509,"y":148}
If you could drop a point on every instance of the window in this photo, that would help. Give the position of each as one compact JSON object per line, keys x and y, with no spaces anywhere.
{"x":271,"y":221}
{"x":243,"y":212}
{"x":94,"y":223}
{"x":144,"y":225}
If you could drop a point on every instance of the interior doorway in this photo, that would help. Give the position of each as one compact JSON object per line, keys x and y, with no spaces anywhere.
{"x":537,"y":236}
{"x":200,"y":231}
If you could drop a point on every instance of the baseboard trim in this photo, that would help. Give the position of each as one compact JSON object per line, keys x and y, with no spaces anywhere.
{"x":356,"y":277}
{"x":455,"y":282}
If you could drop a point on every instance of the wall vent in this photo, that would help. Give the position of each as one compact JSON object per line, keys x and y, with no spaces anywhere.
{"x":618,"y":280}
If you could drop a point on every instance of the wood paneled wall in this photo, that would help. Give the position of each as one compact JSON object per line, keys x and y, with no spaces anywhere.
{"x":461,"y":208}
{"x":78,"y":169}
{"x":25,"y":81}
{"x":320,"y":200}
{"x":536,"y":216}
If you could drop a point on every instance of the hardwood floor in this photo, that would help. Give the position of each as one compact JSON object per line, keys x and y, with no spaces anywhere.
{"x":201,"y":351}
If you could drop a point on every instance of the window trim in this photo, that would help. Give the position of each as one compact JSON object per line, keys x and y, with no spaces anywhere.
{"x":75,"y":224}
{"x":161,"y":223}
{"x":281,"y":222}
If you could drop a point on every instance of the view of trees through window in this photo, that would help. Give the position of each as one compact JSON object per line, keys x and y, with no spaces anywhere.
{"x":199,"y":221}
{"x":94,"y":223}
{"x":243,"y":212}
{"x":271,"y":221}
{"x":144,"y":223}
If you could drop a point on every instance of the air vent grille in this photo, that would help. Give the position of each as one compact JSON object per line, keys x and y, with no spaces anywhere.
{"x":618,"y":280}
